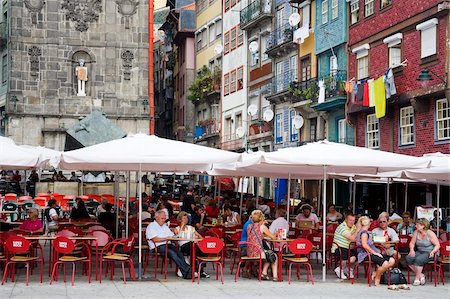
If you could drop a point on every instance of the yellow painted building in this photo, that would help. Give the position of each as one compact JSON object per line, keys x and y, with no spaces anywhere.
{"x":307,"y":47}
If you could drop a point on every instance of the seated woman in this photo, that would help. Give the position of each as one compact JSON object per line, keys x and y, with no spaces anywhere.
{"x":186,"y":231}
{"x":108,"y":219}
{"x":333,"y":215}
{"x":79,"y":212}
{"x":383,"y":261}
{"x":32,"y":225}
{"x":212,"y":211}
{"x":233,"y":218}
{"x":256,"y":232}
{"x":422,"y":248}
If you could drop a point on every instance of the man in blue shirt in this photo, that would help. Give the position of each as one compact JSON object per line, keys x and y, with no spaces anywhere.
{"x":244,"y":237}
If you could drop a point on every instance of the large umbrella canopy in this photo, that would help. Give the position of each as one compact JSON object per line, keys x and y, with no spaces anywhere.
{"x":14,"y":157}
{"x":430,"y":174}
{"x":48,"y":156}
{"x":147,"y":153}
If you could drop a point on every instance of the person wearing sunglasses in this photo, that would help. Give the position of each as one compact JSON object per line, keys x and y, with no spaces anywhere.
{"x":407,"y":227}
{"x":32,"y":225}
{"x":390,"y":235}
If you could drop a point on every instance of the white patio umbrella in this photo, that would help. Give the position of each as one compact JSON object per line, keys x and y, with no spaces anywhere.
{"x":49,"y":157}
{"x":326,"y":157}
{"x":15,"y":157}
{"x":145,"y":153}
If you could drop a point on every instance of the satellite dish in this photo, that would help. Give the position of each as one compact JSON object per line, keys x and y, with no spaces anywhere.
{"x":240,"y":132}
{"x":252,"y":110}
{"x":294,"y":19}
{"x":218,"y":49}
{"x":297,"y":122}
{"x":253,"y":47}
{"x":268,"y":115}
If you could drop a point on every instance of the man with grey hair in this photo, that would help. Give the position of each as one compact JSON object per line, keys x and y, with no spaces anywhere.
{"x":390,"y":235}
{"x":157,"y":234}
{"x":279,"y":222}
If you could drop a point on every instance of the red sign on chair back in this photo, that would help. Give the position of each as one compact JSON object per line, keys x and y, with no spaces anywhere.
{"x":63,"y":245}
{"x":211,"y":245}
{"x":17,"y":244}
{"x":403,"y":241}
{"x":300,"y":246}
{"x":445,"y":249}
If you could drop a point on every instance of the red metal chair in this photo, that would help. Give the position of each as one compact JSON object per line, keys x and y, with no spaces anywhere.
{"x":109,"y":255}
{"x":301,"y":248}
{"x":234,"y":249}
{"x":402,"y":246}
{"x":40,"y":201}
{"x":317,"y":240}
{"x":244,"y":258}
{"x":94,"y":197}
{"x":444,"y":259}
{"x":213,"y":247}
{"x":103,"y":238}
{"x":66,"y":247}
{"x":19,"y":252}
{"x":24,"y":198}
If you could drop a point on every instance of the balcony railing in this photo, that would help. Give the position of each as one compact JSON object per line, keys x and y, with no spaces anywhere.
{"x":255,"y":10}
{"x":281,"y":35}
{"x":335,"y":84}
{"x":206,"y":128}
{"x":282,"y":82}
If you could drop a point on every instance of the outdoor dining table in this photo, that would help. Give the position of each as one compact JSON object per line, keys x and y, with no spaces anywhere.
{"x":193,"y":241}
{"x":279,"y":244}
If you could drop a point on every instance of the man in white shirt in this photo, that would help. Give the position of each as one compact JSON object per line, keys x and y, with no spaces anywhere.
{"x":383,"y":230}
{"x":157,"y":233}
{"x":279,"y":221}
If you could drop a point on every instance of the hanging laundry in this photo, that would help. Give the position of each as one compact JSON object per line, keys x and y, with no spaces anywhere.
{"x":360,"y":93}
{"x":389,"y":83}
{"x":355,"y":91}
{"x":380,"y":97}
{"x":348,"y":87}
{"x":366,"y":94}
{"x":371,"y":93}
{"x":321,"y":92}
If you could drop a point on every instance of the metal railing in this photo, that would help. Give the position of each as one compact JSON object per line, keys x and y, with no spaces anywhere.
{"x":281,"y":82}
{"x":206,"y":129}
{"x":254,"y":10}
{"x":335,"y":83}
{"x":280,"y":36}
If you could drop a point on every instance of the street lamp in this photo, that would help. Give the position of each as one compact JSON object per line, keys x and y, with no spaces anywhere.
{"x":425,"y":77}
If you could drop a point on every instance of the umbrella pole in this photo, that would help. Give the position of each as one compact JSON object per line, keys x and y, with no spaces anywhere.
{"x":241,"y":180}
{"x":388,"y":191}
{"x":324,"y":224}
{"x":288,"y":197}
{"x":116,"y":200}
{"x":406,"y":197}
{"x":255,"y":188}
{"x":140,"y":224}
{"x":438,"y":194}
{"x":334,"y":191}
{"x":354,"y":195}
{"x":127,"y":204}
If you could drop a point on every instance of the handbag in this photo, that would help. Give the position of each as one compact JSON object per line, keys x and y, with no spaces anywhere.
{"x":268,"y":253}
{"x":396,"y":277}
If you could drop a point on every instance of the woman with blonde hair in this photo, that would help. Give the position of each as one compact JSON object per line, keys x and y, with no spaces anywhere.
{"x":422,"y":248}
{"x":256,"y":233}
{"x":367,"y":251}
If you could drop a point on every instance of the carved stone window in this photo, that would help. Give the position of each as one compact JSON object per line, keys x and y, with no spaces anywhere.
{"x":127,"y":8}
{"x":34,"y":53}
{"x":127,"y":57}
{"x":82,"y":12}
{"x":35,"y":7}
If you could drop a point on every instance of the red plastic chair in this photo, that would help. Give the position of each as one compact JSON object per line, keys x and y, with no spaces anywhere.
{"x":94,"y":197}
{"x":244,"y":258}
{"x":402,"y":245}
{"x":444,"y":259}
{"x":301,"y":248}
{"x":234,"y":249}
{"x":66,"y":247}
{"x":109,"y":255}
{"x":40,"y":201}
{"x":213,"y":247}
{"x":317,"y":240}
{"x":24,"y":198}
{"x":103,"y":238}
{"x":10,"y":196}
{"x":109,"y":198}
{"x":19,"y":252}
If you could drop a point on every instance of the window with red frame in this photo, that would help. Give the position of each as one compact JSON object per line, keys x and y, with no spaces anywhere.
{"x":240,"y":78}
{"x":240,"y":36}
{"x":233,"y":39}
{"x":226,"y":39}
{"x":232,"y":3}
{"x":226,"y":84}
{"x":233,"y":81}
{"x":226,"y":5}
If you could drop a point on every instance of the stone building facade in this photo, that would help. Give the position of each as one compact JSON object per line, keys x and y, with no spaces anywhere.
{"x":43,"y":42}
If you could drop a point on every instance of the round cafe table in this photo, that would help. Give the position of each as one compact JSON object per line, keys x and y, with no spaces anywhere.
{"x":279,"y":245}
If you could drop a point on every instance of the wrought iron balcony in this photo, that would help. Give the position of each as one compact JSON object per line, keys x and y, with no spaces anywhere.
{"x":255,"y":12}
{"x":281,"y":41}
{"x":207,"y":129}
{"x":283,"y":81}
{"x":335,"y":95}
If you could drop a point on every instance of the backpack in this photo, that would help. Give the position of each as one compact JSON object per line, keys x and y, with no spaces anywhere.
{"x":396,"y":277}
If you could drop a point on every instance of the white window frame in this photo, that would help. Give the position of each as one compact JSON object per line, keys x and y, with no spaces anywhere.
{"x":369,"y":7}
{"x":212,"y":32}
{"x":279,"y":128}
{"x":394,"y":43}
{"x":442,"y":119}
{"x":407,"y":127}
{"x":293,"y":65}
{"x":428,"y":37}
{"x":334,"y":9}
{"x":372,"y":132}
{"x":342,"y":131}
{"x":362,"y":67}
{"x":385,"y":3}
{"x":218,"y":28}
{"x":324,"y":11}
{"x":354,"y":12}
{"x":293,"y":131}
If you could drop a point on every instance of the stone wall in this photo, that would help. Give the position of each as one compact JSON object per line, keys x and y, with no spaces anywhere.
{"x":46,"y":42}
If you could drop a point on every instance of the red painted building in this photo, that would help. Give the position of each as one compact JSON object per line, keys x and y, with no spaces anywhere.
{"x":382,"y":34}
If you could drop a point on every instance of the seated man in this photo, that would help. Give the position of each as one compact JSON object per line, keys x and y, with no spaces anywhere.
{"x":279,"y":222}
{"x":407,"y":227}
{"x":383,"y":230}
{"x":157,"y":233}
{"x":198,"y":218}
{"x":306,"y":214}
{"x":345,"y":234}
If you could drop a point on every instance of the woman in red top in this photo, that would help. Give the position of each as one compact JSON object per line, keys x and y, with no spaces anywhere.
{"x":33,"y":224}
{"x":212,"y":210}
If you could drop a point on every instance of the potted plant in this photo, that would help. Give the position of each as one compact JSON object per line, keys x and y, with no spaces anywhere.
{"x":201,"y":86}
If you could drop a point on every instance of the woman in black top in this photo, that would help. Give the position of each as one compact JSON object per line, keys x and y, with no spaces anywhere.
{"x":79,"y":212}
